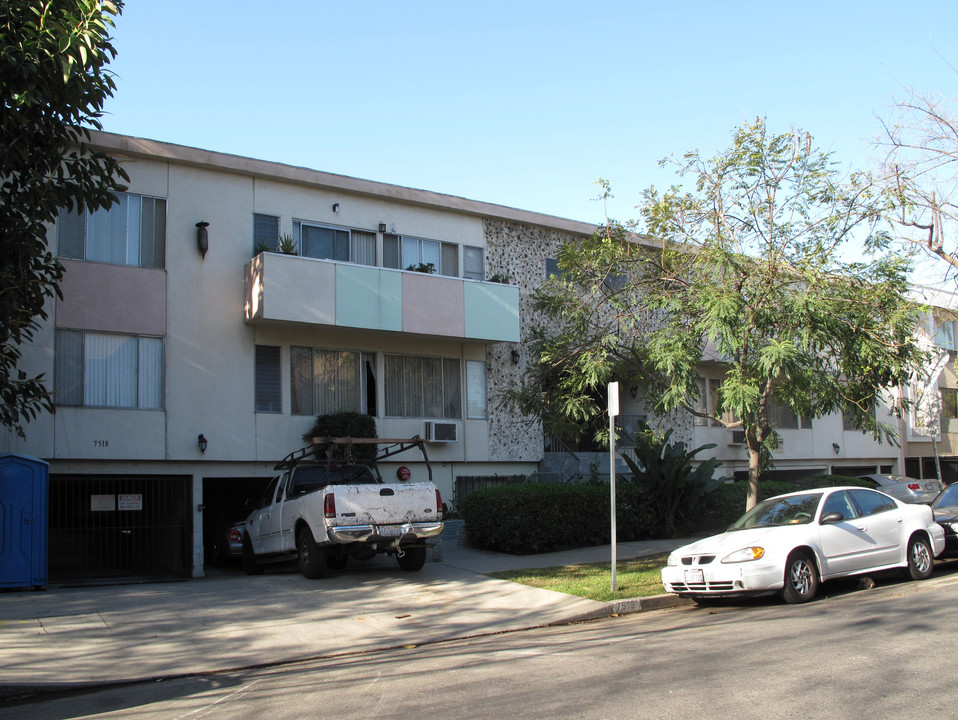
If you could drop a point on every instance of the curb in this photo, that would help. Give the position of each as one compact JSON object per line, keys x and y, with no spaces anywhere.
{"x":629,"y":606}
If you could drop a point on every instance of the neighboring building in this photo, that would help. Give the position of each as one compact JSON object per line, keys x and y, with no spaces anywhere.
{"x":189,"y":355}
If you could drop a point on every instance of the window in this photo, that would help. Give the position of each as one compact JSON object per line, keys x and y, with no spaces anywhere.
{"x":708,"y":402}
{"x":852,"y":418}
{"x":870,"y":502}
{"x":404,"y":253}
{"x":476,"y":405}
{"x":945,"y":335}
{"x":473,"y":266}
{"x":326,"y":381}
{"x":131,"y":232}
{"x":552,"y":268}
{"x":106,"y":370}
{"x":949,"y":403}
{"x":782,"y":417}
{"x":326,"y":243}
{"x":427,"y":387}
{"x":268,"y":390}
{"x":265,"y":232}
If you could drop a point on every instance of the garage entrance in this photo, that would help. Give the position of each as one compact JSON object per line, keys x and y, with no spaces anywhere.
{"x":224,"y":504}
{"x":119,"y":526}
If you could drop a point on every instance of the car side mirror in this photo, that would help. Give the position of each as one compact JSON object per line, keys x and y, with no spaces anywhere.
{"x":831,"y":518}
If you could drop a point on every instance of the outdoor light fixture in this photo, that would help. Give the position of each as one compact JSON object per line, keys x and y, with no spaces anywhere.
{"x":515,"y":357}
{"x":836,"y":447}
{"x":633,"y":391}
{"x":335,"y":207}
{"x":202,"y":237}
{"x":202,"y":442}
{"x":382,"y":227}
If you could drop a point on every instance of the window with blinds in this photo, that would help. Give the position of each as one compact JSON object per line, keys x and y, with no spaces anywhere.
{"x":268,"y":388}
{"x":427,"y":387}
{"x":131,"y":232}
{"x":94,"y":369}
{"x":325,"y":381}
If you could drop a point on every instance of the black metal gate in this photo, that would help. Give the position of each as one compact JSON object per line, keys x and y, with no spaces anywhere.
{"x":112,"y":526}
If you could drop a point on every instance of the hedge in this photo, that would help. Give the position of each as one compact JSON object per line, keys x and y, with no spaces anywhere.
{"x":542,"y":517}
{"x":527,"y":518}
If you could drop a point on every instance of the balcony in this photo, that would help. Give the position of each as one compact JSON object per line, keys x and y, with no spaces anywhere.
{"x":293,"y":289}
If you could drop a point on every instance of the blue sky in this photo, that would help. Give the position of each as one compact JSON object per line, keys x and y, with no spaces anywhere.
{"x":521,"y":103}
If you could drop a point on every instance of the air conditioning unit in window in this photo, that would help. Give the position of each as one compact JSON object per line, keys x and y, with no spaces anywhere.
{"x":441,"y":431}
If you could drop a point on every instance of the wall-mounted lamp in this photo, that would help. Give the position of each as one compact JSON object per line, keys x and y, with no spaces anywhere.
{"x":515,"y":357}
{"x":382,"y":227}
{"x":202,"y":237}
{"x":335,"y":207}
{"x":634,"y":391}
{"x":202,"y":442}
{"x":836,"y":447}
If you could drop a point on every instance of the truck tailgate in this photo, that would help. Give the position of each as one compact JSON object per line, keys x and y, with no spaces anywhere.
{"x":384,"y":504}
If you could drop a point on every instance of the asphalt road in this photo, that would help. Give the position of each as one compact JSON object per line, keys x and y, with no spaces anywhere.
{"x":884,"y":652}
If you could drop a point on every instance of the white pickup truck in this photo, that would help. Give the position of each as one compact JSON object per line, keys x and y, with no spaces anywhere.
{"x":325,"y":506}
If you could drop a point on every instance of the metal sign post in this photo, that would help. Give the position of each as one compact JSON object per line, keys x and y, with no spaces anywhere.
{"x":613,"y":412}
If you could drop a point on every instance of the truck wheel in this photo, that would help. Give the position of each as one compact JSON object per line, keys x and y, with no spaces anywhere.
{"x":250,"y":566}
{"x":312,"y":557}
{"x":413,"y":558}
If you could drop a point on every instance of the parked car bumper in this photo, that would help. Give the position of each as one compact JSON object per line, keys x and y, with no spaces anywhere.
{"x":727,"y":579}
{"x":404,"y":533}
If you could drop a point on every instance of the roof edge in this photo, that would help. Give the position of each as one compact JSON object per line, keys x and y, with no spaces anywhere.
{"x":122,"y":146}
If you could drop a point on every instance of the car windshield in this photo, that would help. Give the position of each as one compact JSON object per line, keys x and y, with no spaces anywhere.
{"x":789,"y":510}
{"x":948,"y":497}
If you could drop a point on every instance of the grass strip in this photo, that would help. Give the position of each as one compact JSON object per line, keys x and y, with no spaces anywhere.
{"x":639,"y":577}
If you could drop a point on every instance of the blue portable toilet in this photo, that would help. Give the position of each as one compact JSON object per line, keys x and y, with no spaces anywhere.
{"x":24,"y":519}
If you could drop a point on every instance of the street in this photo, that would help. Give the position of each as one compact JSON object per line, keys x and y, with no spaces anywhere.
{"x":850,"y":654}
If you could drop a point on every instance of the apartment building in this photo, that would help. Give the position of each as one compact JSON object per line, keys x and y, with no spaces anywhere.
{"x":225,"y":302}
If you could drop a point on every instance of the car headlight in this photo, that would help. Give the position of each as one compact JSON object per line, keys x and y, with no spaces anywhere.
{"x":672,"y":561}
{"x":744,"y":555}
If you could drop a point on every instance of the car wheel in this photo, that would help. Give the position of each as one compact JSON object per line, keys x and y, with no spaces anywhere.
{"x":920,"y":561}
{"x":412,"y":558}
{"x":250,"y":565}
{"x":801,"y":578}
{"x":312,"y":557}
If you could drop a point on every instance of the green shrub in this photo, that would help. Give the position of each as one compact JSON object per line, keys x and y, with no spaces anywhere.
{"x":664,"y":470}
{"x":541,"y":517}
{"x":346,"y":424}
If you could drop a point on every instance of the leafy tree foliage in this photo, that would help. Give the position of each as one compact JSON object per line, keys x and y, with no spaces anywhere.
{"x":54,"y":84}
{"x":741,"y":279}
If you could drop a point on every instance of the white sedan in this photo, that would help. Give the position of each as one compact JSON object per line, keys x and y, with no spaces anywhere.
{"x":789,"y":543}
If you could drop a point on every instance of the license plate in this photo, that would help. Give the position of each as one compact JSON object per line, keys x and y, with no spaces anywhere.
{"x":694,"y":577}
{"x":390,"y":530}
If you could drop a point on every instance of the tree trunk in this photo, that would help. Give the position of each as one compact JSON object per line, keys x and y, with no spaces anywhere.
{"x":753,"y":473}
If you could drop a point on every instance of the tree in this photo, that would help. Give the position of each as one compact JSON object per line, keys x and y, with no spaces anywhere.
{"x":54,"y":83}
{"x":743,"y":274}
{"x":921,"y":169}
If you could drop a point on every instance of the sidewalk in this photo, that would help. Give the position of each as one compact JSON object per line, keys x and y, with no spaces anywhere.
{"x":73,"y":637}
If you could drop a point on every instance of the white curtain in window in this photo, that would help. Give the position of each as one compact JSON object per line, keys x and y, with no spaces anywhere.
{"x":363,"y":247}
{"x":476,"y":389}
{"x":431,"y":253}
{"x":150,"y":373}
{"x":107,"y":233}
{"x":393,"y":370}
{"x":109,"y":378}
{"x":432,"y":388}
